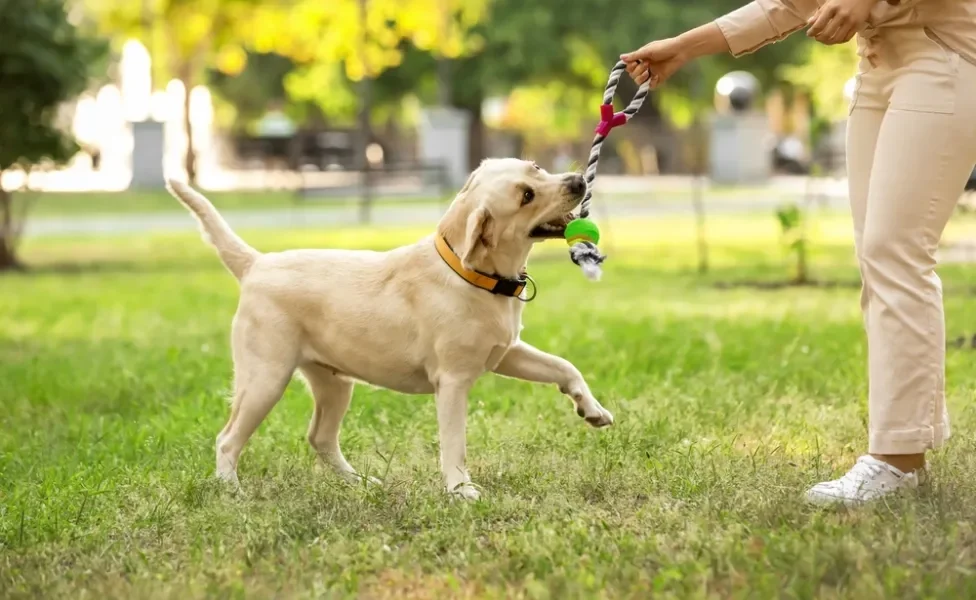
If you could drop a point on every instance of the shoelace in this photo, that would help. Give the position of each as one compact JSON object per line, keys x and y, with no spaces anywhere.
{"x":861,"y":471}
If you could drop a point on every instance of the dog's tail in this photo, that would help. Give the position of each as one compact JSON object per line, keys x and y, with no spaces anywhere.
{"x":236,"y":255}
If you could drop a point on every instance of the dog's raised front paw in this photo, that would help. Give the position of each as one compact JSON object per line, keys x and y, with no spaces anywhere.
{"x":600,"y":418}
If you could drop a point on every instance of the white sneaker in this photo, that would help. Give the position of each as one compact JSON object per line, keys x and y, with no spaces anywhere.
{"x":869,"y":479}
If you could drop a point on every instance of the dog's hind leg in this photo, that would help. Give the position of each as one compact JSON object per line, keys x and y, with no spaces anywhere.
{"x":332,"y":395}
{"x":261,"y":373}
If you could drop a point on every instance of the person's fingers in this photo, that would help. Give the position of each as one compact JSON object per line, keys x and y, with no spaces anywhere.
{"x":643,"y":77}
{"x":820,"y":20}
{"x":817,"y":24}
{"x":830,"y":31}
{"x":845,"y":30}
{"x":641,"y":73}
{"x":642,"y":54}
{"x":632,"y":57}
{"x":846,"y":34}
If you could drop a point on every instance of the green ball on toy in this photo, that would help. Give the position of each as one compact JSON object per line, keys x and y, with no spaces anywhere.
{"x":582,"y":230}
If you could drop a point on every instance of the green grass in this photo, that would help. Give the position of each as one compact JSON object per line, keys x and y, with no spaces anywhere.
{"x":728,"y":403}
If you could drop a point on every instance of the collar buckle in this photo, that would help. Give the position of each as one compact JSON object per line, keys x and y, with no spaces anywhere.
{"x":508,"y":287}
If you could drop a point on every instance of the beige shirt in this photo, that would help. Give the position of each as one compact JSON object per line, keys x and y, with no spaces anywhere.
{"x":761,"y":22}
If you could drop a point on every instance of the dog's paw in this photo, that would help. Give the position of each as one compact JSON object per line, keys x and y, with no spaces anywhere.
{"x":356,"y":478}
{"x":230,"y":483}
{"x":465,"y":491}
{"x":599,"y":418}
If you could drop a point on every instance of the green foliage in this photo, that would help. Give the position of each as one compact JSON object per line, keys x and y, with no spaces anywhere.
{"x":254,"y":88}
{"x":550,"y":47}
{"x":184,"y":37}
{"x":45,"y":62}
{"x":547,"y":47}
{"x":823,"y":71}
{"x":365,"y":36}
{"x":325,"y":86}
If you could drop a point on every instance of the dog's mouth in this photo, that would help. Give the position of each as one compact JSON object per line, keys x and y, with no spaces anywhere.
{"x":554,"y":229}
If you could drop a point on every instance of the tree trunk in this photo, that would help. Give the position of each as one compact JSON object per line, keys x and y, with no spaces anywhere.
{"x":8,"y":234}
{"x":362,"y":145}
{"x":191,"y":154}
{"x":365,"y":130}
{"x":699,"y":168}
{"x":444,"y":89}
{"x":9,"y":260}
{"x":476,"y":137}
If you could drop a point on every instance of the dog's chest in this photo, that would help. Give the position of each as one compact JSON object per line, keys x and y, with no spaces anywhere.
{"x":495,"y":357}
{"x":503,"y":338}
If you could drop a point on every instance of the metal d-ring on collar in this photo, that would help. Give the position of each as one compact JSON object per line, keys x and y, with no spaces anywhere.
{"x":535,"y":289}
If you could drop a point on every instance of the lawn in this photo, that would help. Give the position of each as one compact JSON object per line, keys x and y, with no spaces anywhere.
{"x":114,"y":371}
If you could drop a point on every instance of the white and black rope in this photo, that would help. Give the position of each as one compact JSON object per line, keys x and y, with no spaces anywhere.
{"x":586,"y":254}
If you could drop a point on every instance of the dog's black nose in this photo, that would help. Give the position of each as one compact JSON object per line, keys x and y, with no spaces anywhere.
{"x":576,"y":184}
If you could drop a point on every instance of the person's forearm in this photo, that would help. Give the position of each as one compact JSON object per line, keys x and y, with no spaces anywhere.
{"x":705,"y":40}
{"x":761,"y":22}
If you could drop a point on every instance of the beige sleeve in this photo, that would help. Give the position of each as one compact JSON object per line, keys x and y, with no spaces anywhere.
{"x":764,"y":21}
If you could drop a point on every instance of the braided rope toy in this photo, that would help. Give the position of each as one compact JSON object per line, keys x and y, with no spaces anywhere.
{"x":582,"y":234}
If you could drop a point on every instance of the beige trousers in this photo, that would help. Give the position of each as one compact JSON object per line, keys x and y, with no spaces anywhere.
{"x":911,"y":143}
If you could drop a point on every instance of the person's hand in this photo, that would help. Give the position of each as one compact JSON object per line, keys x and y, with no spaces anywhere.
{"x":655,"y":62}
{"x":836,"y":21}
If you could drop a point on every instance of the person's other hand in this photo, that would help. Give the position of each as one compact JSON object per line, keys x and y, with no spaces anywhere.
{"x":837,"y":21}
{"x":655,"y":62}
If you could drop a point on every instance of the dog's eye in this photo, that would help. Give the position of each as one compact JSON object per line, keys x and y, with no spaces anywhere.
{"x":527,"y":196}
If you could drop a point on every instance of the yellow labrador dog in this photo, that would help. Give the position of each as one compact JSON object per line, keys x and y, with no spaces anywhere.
{"x":427,"y":318}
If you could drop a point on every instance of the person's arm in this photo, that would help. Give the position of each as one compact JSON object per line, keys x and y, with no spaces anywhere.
{"x":763,"y":22}
{"x":704,"y":40}
{"x":739,"y":32}
{"x":656,"y":61}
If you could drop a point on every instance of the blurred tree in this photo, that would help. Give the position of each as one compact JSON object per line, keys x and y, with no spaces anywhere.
{"x":446,"y":30}
{"x":45,"y":62}
{"x":335,"y":47}
{"x":185,"y":37}
{"x":556,"y":53}
{"x":259,"y":84}
{"x":823,"y":73}
{"x":564,"y":51}
{"x":358,"y":40}
{"x":476,"y":48}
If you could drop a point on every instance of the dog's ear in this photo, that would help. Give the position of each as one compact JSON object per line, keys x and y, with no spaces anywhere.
{"x":479,"y":236}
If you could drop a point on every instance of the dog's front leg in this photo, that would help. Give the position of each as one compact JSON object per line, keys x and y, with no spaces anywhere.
{"x":452,"y":411}
{"x":523,"y":361}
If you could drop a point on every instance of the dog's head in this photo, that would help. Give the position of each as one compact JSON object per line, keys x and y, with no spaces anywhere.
{"x":505,"y":207}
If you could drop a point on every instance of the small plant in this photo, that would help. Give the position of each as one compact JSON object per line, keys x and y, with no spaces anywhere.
{"x":793,"y":225}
